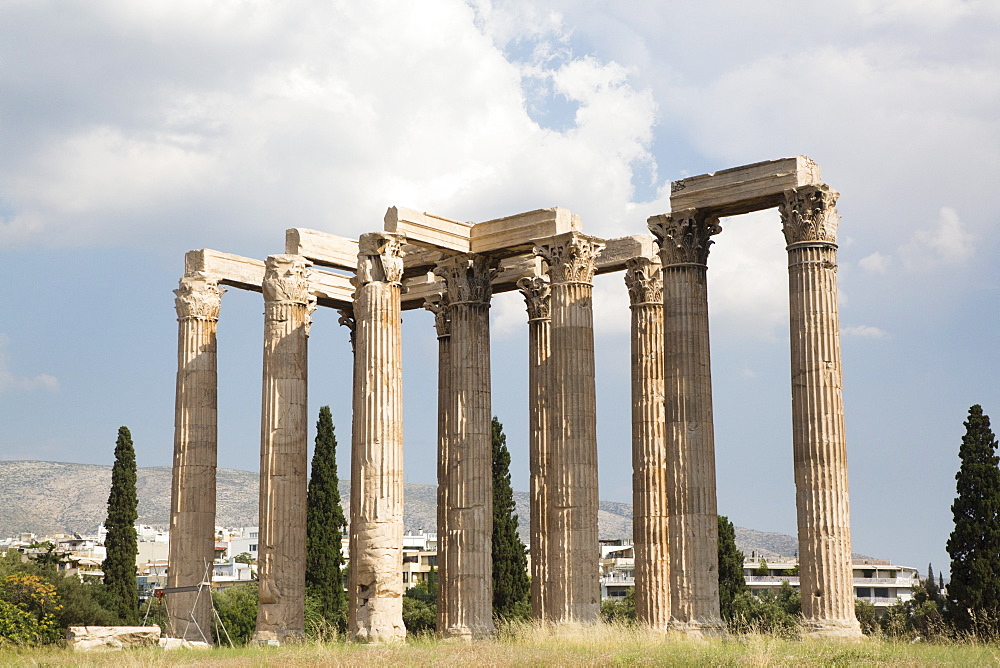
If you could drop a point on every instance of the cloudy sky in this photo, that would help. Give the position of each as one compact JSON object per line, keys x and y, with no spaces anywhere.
{"x":133,"y":132}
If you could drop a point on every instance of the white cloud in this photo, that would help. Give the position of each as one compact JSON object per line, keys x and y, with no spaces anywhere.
{"x":865,"y":332}
{"x":876,"y":263}
{"x":264,"y":116}
{"x":946,"y":241}
{"x":9,"y":382}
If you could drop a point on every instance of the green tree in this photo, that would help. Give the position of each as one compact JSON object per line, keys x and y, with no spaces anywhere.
{"x":974,"y":545}
{"x":619,"y":610}
{"x":762,"y":569}
{"x":237,"y":608}
{"x":731,"y":579}
{"x":510,"y":565}
{"x":420,"y":608}
{"x":121,"y":542}
{"x":325,"y":523}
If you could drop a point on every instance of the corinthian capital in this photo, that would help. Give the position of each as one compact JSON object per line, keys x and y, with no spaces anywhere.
{"x":467,"y":278}
{"x":286,"y":279}
{"x":438,"y":305}
{"x":380,"y":258}
{"x":644,"y":280}
{"x":199,"y":297}
{"x":537,"y":296}
{"x":809,"y":213}
{"x":571,"y":257}
{"x":684,"y":236}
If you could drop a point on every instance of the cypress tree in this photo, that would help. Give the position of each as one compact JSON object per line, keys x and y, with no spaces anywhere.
{"x":974,"y":545}
{"x":121,"y":543}
{"x":324,"y":526}
{"x":731,"y":579}
{"x":510,"y":565}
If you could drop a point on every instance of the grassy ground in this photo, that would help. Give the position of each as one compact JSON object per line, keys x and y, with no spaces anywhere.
{"x":528,"y":646}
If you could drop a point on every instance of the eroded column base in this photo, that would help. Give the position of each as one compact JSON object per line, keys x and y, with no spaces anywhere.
{"x":279,"y":637}
{"x":466,"y":633}
{"x":846,"y":629}
{"x":700,"y":629}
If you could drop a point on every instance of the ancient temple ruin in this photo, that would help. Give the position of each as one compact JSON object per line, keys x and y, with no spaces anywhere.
{"x":453,"y":268}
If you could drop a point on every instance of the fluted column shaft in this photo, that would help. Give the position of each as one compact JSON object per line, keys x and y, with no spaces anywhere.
{"x":649,"y":454}
{"x":375,"y":608}
{"x":442,"y":324}
{"x":693,"y":533}
{"x":192,"y":492}
{"x":809,"y":221}
{"x":283,"y":450}
{"x":469,"y":523}
{"x":537,"y":299}
{"x":572,"y":480}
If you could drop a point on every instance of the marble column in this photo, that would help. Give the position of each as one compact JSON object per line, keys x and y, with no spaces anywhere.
{"x":693,"y":532}
{"x":469,"y":522}
{"x":192,"y":492}
{"x":375,"y":608}
{"x":442,"y":325}
{"x":809,"y":221}
{"x":649,"y":452}
{"x":537,"y":298}
{"x":574,"y":555}
{"x":281,"y":554}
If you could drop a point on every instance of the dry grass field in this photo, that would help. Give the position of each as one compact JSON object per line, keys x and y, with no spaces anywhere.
{"x":604,"y":645}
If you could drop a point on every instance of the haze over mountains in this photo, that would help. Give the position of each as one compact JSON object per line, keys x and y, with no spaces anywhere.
{"x":53,"y":497}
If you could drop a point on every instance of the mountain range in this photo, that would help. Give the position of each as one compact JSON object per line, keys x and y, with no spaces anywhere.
{"x":47,"y":498}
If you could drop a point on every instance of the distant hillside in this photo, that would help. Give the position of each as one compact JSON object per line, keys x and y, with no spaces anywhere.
{"x":49,"y":497}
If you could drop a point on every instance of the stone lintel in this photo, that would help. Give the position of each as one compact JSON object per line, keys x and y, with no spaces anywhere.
{"x":419,"y":288}
{"x":516,"y":235}
{"x":617,"y":252}
{"x":322,"y":248}
{"x":428,"y":230}
{"x":331,"y":290}
{"x":743,"y":189}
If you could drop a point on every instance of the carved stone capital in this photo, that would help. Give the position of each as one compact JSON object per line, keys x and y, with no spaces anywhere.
{"x":199,"y":297}
{"x":571,"y":257}
{"x":380,"y":258}
{"x":809,"y":213}
{"x":286,"y":281}
{"x":684,"y":236}
{"x":347,"y":320}
{"x":467,"y":278}
{"x":438,"y":305}
{"x":537,"y":296}
{"x":644,"y":280}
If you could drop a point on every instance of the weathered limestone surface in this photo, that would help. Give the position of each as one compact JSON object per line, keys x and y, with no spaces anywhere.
{"x":192,"y":493}
{"x":375,"y":609}
{"x":691,"y":500}
{"x":649,"y":452}
{"x":572,"y":480}
{"x":322,"y":248}
{"x":442,"y":325}
{"x":469,"y":478}
{"x":283,"y":450}
{"x":426,"y":229}
{"x":330,"y":290}
{"x":809,"y":220}
{"x":743,"y":189}
{"x":537,"y":298}
{"x":111,"y":637}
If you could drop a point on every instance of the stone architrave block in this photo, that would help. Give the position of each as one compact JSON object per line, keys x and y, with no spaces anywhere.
{"x":428,"y":230}
{"x":619,"y":251}
{"x":516,"y":235}
{"x":322,"y":248}
{"x":743,"y":189}
{"x":330,"y":289}
{"x":83,"y":638}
